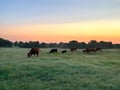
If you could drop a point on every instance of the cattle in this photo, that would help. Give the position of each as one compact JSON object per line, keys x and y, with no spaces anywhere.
{"x":89,"y":50}
{"x":33,"y":51}
{"x":53,"y":51}
{"x":64,"y":51}
{"x":92,"y":50}
{"x":73,"y":49}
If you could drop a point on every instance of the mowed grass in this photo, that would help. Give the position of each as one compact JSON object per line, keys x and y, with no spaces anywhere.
{"x":68,"y":71}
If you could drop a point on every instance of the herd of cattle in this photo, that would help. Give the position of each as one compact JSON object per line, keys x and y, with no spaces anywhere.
{"x":36,"y":51}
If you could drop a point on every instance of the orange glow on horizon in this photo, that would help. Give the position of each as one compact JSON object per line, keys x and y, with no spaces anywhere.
{"x":103,"y":30}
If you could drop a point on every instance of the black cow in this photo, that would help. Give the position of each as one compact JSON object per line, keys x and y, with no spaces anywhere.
{"x":64,"y":51}
{"x":33,"y":51}
{"x":53,"y":51}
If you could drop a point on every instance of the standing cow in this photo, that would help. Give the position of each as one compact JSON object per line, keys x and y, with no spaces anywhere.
{"x":33,"y":51}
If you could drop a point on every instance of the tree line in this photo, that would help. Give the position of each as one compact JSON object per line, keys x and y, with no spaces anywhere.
{"x":70,"y":44}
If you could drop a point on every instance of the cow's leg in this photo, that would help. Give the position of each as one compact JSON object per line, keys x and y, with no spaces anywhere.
{"x":37,"y":54}
{"x":34,"y":55}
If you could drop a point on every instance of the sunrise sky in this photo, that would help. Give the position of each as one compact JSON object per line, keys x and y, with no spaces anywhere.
{"x":60,"y":20}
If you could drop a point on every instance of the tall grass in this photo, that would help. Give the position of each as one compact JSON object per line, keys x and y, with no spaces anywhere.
{"x":69,"y":71}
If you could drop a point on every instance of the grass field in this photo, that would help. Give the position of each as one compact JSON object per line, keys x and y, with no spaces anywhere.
{"x":70,"y":71}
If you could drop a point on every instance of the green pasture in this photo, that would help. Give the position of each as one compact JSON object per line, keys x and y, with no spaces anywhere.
{"x":68,"y":71}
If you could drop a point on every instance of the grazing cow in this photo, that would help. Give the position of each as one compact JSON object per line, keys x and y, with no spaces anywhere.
{"x":73,"y":49}
{"x":89,"y":50}
{"x":33,"y":51}
{"x":64,"y":51}
{"x":53,"y":51}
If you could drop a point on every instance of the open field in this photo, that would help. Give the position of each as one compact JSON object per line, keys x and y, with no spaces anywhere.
{"x":68,"y":71}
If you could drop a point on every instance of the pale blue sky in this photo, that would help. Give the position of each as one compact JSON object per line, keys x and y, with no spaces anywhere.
{"x":57,"y":11}
{"x":64,"y":20}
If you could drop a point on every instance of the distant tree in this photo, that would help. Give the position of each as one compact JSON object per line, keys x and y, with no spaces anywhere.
{"x":73,"y":44}
{"x":63,"y":45}
{"x":109,"y":45}
{"x":43,"y":45}
{"x":106,"y":45}
{"x":5,"y":43}
{"x":16,"y":44}
{"x":34,"y":44}
{"x":93,"y":44}
{"x":82,"y":45}
{"x":117,"y":46}
{"x":53,"y":45}
{"x":21,"y":44}
{"x":29,"y":44}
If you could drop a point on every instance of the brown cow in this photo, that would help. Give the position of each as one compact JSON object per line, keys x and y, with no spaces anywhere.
{"x":33,"y":51}
{"x":90,"y":50}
